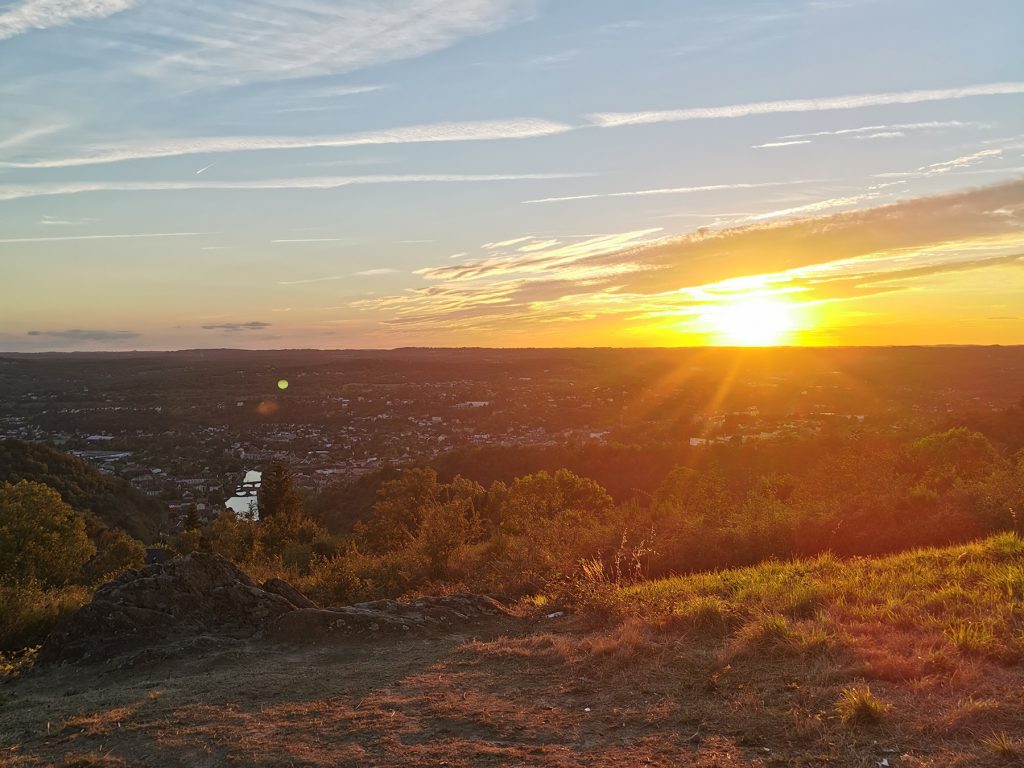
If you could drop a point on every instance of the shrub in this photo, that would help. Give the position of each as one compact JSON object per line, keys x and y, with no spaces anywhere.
{"x":41,"y":537}
{"x":28,"y":611}
{"x":121,"y":553}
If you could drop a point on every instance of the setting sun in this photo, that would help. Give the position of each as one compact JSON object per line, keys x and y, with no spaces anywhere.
{"x":752,"y":322}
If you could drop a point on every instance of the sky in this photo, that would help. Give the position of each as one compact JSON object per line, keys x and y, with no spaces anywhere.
{"x":388,"y":173}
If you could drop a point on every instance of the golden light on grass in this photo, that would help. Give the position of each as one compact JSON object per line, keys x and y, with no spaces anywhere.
{"x":752,"y":321}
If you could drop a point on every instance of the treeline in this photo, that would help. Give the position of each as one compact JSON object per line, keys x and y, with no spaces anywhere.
{"x":850,"y":492}
{"x":855,"y":494}
{"x":110,"y":499}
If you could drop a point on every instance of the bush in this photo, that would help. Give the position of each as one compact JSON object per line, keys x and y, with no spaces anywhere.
{"x":28,"y":611}
{"x":121,"y":553}
{"x":41,"y":537}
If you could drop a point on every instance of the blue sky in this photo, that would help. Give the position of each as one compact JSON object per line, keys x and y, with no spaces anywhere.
{"x":178,"y":174}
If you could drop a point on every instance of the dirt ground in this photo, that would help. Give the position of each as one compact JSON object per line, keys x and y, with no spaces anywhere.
{"x":505,"y":692}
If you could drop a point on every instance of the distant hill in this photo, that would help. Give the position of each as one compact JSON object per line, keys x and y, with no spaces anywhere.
{"x":85,"y":488}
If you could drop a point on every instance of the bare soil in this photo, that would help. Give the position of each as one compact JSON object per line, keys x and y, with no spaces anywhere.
{"x":505,"y":691}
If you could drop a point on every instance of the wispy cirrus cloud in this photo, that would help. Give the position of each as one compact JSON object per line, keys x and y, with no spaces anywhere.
{"x":253,"y":325}
{"x":868,"y":132}
{"x":18,"y":192}
{"x":773,"y":144}
{"x":81,"y":334}
{"x":866,"y":252}
{"x":670,"y":191}
{"x":30,"y":15}
{"x":311,"y":240}
{"x":956,"y":164}
{"x":332,"y":278}
{"x":547,"y":256}
{"x":482,"y":130}
{"x":828,"y":103}
{"x":931,"y":125}
{"x":20,"y":240}
{"x":29,"y":135}
{"x":236,"y":41}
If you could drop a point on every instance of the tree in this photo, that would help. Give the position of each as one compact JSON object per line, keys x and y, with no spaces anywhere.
{"x":41,"y":537}
{"x":278,"y":497}
{"x":398,"y":510}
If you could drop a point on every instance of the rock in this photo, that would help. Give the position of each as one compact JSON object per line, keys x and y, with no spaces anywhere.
{"x":162,"y":604}
{"x":289,"y":593}
{"x":383,"y":616}
{"x":202,"y":601}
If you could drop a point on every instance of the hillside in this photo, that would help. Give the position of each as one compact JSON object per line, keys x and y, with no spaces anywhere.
{"x":85,"y":488}
{"x":908,"y":660}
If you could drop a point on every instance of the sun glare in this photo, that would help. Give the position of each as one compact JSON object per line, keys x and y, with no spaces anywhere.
{"x":752,"y":322}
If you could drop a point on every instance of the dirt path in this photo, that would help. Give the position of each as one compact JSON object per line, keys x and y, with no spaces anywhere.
{"x":427,"y":700}
{"x":502,"y":692}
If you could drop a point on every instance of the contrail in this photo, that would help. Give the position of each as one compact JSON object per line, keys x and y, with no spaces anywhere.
{"x":204,"y":168}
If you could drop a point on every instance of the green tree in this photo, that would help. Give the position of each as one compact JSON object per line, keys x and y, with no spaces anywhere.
{"x":398,"y":510}
{"x":278,"y":496}
{"x":41,"y":537}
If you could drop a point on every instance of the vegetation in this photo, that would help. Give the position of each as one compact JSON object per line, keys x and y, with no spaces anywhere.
{"x":83,"y":487}
{"x":51,"y":556}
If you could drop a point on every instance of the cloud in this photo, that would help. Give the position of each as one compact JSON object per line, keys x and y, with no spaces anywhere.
{"x":772,"y":144}
{"x":28,"y":135}
{"x":254,"y":325}
{"x":11,"y":240}
{"x":552,"y":60}
{"x":480,"y":130}
{"x":833,"y":257}
{"x":957,"y":164}
{"x":894,"y":127}
{"x":53,"y":221}
{"x":312,"y":280}
{"x":313,"y":240}
{"x":504,"y":243}
{"x":372,"y":272}
{"x":961,"y":162}
{"x":17,"y":192}
{"x":79,"y":334}
{"x":669,"y":191}
{"x":550,"y":256}
{"x":43,"y":14}
{"x":230,"y":42}
{"x":617,"y":119}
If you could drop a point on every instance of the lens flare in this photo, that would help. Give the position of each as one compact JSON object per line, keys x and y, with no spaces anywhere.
{"x":282,"y":384}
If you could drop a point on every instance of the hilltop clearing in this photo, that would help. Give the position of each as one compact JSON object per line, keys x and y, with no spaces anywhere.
{"x":908,"y":660}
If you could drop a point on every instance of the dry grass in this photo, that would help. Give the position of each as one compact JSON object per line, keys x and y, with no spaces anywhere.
{"x":858,"y":706}
{"x":817,"y":662}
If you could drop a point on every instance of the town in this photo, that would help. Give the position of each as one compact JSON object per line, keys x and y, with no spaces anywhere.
{"x":193,"y":429}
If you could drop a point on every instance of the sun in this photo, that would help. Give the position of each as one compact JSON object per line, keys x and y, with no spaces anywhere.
{"x":752,"y":322}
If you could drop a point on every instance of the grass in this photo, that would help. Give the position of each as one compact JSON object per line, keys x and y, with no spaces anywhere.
{"x":1003,"y":745}
{"x":858,"y":706}
{"x":924,"y":606}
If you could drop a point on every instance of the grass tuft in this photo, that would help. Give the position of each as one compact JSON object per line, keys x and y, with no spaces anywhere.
{"x":1004,"y":745}
{"x":858,"y":706}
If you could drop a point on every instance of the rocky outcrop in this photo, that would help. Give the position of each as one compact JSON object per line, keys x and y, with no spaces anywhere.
{"x":384,"y":616}
{"x":202,"y":600}
{"x":289,"y":593}
{"x":196,"y":595}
